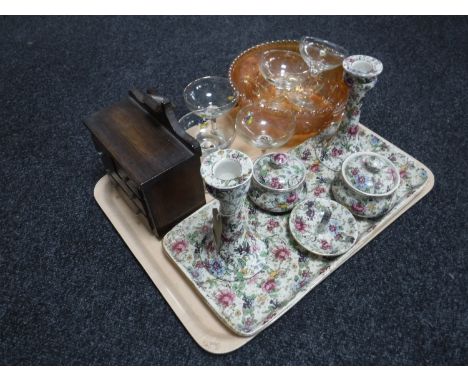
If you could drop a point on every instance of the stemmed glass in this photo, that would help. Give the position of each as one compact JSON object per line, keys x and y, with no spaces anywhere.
{"x":199,"y":125}
{"x":284,"y":69}
{"x":212,"y":96}
{"x":266,"y":125}
{"x":320,"y":56}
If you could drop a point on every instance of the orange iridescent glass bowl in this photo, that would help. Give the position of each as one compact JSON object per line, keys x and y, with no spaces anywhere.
{"x":329,"y":97}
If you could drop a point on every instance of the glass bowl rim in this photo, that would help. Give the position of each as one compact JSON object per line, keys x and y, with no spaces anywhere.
{"x":201,"y":79}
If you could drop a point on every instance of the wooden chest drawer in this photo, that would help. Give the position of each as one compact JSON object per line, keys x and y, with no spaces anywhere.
{"x":153,"y":161}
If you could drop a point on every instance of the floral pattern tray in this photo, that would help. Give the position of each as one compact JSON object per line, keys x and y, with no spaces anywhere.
{"x":247,"y":307}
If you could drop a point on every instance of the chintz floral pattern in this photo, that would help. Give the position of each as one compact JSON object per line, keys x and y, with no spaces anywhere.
{"x":279,"y":171}
{"x":278,"y":182}
{"x":236,"y":253}
{"x":368,"y":67}
{"x":208,"y":167}
{"x":359,"y":205}
{"x":346,"y":141}
{"x":289,"y":272}
{"x":370,"y":173}
{"x":338,"y":234}
{"x":276,"y":201}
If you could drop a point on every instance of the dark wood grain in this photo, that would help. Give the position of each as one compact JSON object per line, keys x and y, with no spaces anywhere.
{"x":151,"y":159}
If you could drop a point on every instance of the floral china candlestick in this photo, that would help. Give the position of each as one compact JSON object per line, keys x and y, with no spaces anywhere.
{"x":232,"y":251}
{"x":360,"y":74}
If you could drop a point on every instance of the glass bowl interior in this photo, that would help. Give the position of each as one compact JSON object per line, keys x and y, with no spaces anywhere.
{"x":211,"y":134}
{"x":328,"y":101}
{"x":213,"y":94}
{"x":283,"y":68}
{"x":266,"y":125}
{"x":321,"y":55}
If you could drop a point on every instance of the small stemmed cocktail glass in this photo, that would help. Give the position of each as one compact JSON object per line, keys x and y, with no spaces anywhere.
{"x":320,"y":56}
{"x":266,"y":125}
{"x":210,"y":98}
{"x":210,"y":137}
{"x":285,"y":69}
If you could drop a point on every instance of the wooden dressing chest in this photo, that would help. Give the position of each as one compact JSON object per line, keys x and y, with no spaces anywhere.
{"x":147,"y":154}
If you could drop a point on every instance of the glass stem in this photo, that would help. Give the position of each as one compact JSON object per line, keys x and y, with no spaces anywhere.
{"x":213,"y":124}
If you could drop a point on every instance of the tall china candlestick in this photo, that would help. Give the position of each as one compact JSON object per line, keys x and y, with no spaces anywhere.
{"x":232,"y":251}
{"x":360,"y":74}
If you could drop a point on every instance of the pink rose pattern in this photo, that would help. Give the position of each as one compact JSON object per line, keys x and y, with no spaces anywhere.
{"x":275,"y":183}
{"x":179,"y":246}
{"x":336,"y":152}
{"x":319,"y":190}
{"x":314,"y":167}
{"x":282,"y":253}
{"x":269,"y":286}
{"x":226,"y":298}
{"x":272,"y":224}
{"x":300,"y":225}
{"x":292,"y":197}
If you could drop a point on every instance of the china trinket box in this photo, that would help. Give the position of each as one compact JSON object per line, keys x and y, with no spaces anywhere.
{"x":151,"y":159}
{"x":278,"y":182}
{"x":367,"y":184}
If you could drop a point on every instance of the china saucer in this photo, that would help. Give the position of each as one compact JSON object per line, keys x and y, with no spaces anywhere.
{"x":323,"y":227}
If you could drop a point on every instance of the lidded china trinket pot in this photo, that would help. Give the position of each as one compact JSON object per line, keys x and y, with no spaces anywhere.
{"x":366,"y":184}
{"x":278,"y":182}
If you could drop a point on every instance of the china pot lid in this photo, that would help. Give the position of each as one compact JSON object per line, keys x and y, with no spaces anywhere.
{"x":279,"y":171}
{"x":324,"y":227}
{"x":370,"y":174}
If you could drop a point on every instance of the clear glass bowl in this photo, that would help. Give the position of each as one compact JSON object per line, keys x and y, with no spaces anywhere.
{"x":321,"y":55}
{"x":211,"y":135}
{"x":266,"y":125}
{"x":283,"y":68}
{"x":214,"y":95}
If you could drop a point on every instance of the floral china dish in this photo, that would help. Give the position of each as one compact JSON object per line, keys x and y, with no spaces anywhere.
{"x":323,"y":227}
{"x":367,"y":184}
{"x":278,"y":182}
{"x":370,"y":174}
{"x":361,"y":206}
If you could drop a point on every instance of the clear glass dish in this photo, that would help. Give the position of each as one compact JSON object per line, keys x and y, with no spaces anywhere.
{"x":283,"y":68}
{"x":211,"y":135}
{"x":266,"y":125}
{"x":321,"y":55}
{"x":212,"y":95}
